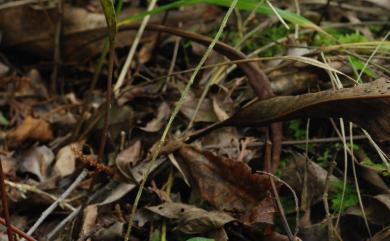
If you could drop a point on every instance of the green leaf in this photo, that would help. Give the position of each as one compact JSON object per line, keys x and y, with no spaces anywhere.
{"x":3,"y":120}
{"x":200,"y":239}
{"x":109,"y":13}
{"x":241,"y":5}
{"x":357,"y":64}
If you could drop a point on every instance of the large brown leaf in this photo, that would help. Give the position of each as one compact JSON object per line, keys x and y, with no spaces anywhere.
{"x":367,"y":105}
{"x":229,"y":185}
{"x":80,"y":26}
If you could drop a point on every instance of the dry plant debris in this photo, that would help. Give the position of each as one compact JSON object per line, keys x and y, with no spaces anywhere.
{"x":284,"y":134}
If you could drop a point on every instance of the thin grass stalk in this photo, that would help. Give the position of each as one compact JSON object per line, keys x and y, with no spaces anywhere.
{"x":179,"y":104}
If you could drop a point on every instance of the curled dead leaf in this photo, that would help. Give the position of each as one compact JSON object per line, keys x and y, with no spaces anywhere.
{"x":31,"y":128}
{"x":354,"y":104}
{"x":37,"y":161}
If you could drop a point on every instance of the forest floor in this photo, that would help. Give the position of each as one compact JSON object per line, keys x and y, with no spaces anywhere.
{"x":195,"y":120}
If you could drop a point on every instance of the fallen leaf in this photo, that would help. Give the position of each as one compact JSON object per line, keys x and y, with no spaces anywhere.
{"x":383,"y":235}
{"x":293,"y":174}
{"x":9,"y":165}
{"x":31,"y":128}
{"x":121,"y":119}
{"x":159,"y":121}
{"x":220,"y":113}
{"x":204,"y":114}
{"x":229,"y":185}
{"x":354,"y":104}
{"x":3,"y":69}
{"x":114,"y":232}
{"x":377,"y":209}
{"x":65,"y":161}
{"x":37,"y":161}
{"x":129,"y":157}
{"x":89,"y":220}
{"x":80,"y":27}
{"x":121,"y":189}
{"x":191,"y":219}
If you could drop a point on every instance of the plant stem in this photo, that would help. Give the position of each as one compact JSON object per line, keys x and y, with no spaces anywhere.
{"x":4,"y":200}
{"x":179,"y":103}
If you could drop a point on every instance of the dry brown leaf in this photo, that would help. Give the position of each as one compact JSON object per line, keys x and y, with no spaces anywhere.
{"x":229,"y":185}
{"x":89,"y":222}
{"x":31,"y":128}
{"x":204,"y":114}
{"x":80,"y":27}
{"x":354,"y":104}
{"x":37,"y":161}
{"x":66,"y":160}
{"x":159,"y":121}
{"x":191,"y":219}
{"x":129,"y":157}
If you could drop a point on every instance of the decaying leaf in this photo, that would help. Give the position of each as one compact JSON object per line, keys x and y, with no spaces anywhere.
{"x":354,"y":104}
{"x":377,"y":211}
{"x":37,"y":161}
{"x":31,"y":128}
{"x":204,"y":114}
{"x":9,"y":165}
{"x":129,"y":157}
{"x":293,"y":174}
{"x":65,"y":161}
{"x":191,"y":219}
{"x":126,"y":178}
{"x":158,"y":122}
{"x":229,"y":185}
{"x":89,"y":222}
{"x":80,"y":27}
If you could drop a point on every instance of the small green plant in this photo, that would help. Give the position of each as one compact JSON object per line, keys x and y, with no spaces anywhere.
{"x":358,"y":65}
{"x":297,"y":131}
{"x":200,"y":239}
{"x":350,"y":198}
{"x":3,"y":120}
{"x":265,"y":37}
{"x":339,"y":146}
{"x":282,"y":165}
{"x":339,"y":35}
{"x":324,"y":158}
{"x":380,"y":167}
{"x":155,"y":235}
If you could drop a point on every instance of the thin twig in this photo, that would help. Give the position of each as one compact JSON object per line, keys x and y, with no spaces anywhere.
{"x":277,"y":14}
{"x":51,"y":208}
{"x":357,"y":184}
{"x":332,"y":165}
{"x":25,"y":187}
{"x":133,"y":48}
{"x":372,"y":55}
{"x":18,"y":231}
{"x":179,"y":104}
{"x":336,"y":82}
{"x":296,"y":230}
{"x":4,"y":200}
{"x":267,"y":156}
{"x":108,"y":104}
{"x":57,"y":47}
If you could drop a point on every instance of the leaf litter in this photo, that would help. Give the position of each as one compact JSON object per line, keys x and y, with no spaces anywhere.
{"x":198,"y":188}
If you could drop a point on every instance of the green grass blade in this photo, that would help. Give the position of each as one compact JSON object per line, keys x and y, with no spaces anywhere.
{"x":242,"y":5}
{"x":109,"y":13}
